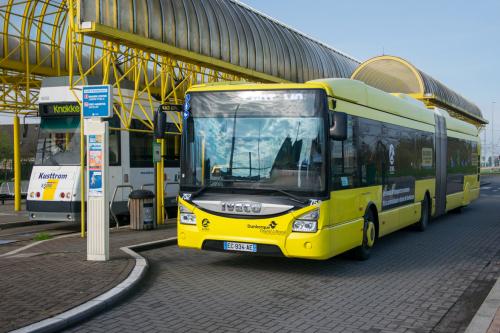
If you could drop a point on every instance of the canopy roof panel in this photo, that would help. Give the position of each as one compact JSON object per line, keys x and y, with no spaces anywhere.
{"x":225,"y":30}
{"x":396,"y":75}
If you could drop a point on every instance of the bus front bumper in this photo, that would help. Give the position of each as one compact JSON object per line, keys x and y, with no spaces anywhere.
{"x":57,"y":211}
{"x":289,"y":244}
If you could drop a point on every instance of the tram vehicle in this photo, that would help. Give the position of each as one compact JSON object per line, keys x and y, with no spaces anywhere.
{"x":316,"y":169}
{"x":54,"y":187}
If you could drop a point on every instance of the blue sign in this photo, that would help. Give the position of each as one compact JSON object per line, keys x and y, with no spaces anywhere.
{"x":187,"y":106}
{"x":97,"y":101}
{"x":95,"y":164}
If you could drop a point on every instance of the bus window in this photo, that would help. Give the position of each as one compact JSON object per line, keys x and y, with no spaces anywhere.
{"x":114,"y":142}
{"x":461,"y":162}
{"x":172,"y":156}
{"x":344,"y":158}
{"x":371,"y":153}
{"x":172,"y":150}
{"x":58,"y":141}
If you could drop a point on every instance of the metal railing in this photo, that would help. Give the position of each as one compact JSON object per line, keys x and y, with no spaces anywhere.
{"x":113,"y":200}
{"x":7,"y":190}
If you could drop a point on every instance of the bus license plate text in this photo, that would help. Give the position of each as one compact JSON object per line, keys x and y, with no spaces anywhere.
{"x":232,"y":246}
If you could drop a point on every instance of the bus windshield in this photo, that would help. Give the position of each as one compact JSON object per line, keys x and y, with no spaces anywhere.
{"x":255,"y":140}
{"x":58,"y":141}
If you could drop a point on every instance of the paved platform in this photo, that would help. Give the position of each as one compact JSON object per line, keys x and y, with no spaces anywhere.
{"x":54,"y":276}
{"x":9,"y":217}
{"x":433,"y":281}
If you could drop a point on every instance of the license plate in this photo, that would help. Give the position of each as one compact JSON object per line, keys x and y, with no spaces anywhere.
{"x":246,"y":247}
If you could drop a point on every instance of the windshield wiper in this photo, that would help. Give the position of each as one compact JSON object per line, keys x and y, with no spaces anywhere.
{"x":210,"y":182}
{"x":288,"y":194}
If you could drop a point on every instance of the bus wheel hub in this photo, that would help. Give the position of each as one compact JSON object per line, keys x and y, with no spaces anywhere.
{"x":370,"y":234}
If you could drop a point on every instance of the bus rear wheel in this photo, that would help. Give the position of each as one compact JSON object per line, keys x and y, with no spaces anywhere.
{"x":363,"y":251}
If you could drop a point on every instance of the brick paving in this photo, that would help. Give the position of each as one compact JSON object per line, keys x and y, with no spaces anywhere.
{"x":414,"y":282}
{"x":495,"y":324}
{"x":54,"y":276}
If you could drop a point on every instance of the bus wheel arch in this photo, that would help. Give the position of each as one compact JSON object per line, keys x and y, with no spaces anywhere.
{"x":370,"y":233}
{"x":373,"y":209}
{"x":425,"y":212}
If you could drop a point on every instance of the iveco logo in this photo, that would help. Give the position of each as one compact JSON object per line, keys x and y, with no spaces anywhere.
{"x":241,"y":207}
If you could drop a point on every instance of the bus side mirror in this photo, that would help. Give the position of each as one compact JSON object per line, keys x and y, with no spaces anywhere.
{"x":160,"y":123}
{"x":338,"y":130}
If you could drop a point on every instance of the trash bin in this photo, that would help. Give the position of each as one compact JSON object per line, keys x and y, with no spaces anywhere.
{"x":141,"y":208}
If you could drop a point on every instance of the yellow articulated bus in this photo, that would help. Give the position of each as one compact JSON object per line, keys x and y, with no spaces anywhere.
{"x":316,"y":169}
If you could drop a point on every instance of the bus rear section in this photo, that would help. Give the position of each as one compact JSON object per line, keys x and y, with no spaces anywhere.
{"x":54,"y":188}
{"x":55,"y":184}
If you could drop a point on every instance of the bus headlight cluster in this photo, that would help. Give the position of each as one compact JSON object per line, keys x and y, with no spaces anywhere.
{"x":186,"y":216}
{"x":307,"y":222}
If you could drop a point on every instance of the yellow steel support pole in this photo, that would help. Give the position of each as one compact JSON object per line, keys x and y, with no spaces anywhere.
{"x":17,"y":165}
{"x":72,"y":49}
{"x":160,"y":183}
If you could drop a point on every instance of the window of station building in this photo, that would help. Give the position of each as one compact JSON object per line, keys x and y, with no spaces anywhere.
{"x":140,"y":145}
{"x":114,"y":141}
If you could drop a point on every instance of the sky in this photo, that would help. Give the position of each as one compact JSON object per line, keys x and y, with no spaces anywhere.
{"x":456,"y":42}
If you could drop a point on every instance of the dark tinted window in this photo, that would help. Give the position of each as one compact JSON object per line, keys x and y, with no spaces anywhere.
{"x":140,"y":145}
{"x":377,"y":153}
{"x":114,"y":141}
{"x":461,"y":160}
{"x":344,"y":158}
{"x":172,"y":150}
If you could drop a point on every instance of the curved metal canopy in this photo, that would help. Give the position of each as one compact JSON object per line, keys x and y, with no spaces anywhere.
{"x":224,"y":30}
{"x":396,"y":75}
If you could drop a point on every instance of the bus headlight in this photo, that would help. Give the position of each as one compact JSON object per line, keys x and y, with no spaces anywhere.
{"x":186,"y":216}
{"x":307,"y":222}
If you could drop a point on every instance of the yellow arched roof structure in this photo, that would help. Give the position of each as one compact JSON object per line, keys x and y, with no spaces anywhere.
{"x":187,"y":42}
{"x":396,"y":75}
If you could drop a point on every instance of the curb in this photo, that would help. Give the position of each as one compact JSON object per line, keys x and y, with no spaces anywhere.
{"x":484,"y":316}
{"x":104,"y":301}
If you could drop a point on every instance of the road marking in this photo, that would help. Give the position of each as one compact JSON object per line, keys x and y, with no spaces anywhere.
{"x":34,"y":244}
{"x":486,"y":188}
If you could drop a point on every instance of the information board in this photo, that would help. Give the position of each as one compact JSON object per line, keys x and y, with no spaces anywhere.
{"x":96,"y":161}
{"x":97,"y":101}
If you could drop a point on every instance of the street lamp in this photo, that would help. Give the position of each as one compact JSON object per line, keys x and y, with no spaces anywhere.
{"x":492,"y":132}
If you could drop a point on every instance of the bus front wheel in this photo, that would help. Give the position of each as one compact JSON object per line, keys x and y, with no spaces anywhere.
{"x":369,"y":234}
